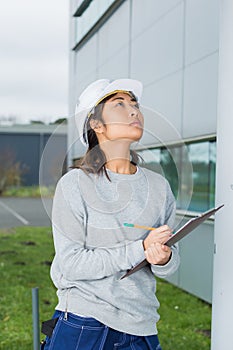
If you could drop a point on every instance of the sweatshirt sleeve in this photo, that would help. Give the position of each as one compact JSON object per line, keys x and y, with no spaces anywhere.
{"x":164,"y":271}
{"x":172,"y":265}
{"x":72,"y":259}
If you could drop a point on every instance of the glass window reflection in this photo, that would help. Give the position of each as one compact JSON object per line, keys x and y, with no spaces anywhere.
{"x":199,"y":156}
{"x":90,"y":16}
{"x":169,"y":160}
{"x":173,"y":164}
{"x":164,"y":162}
{"x":151,"y":159}
{"x":212,"y":174}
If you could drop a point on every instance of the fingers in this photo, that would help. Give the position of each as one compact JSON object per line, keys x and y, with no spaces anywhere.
{"x":160,"y":238}
{"x":161,"y":231}
{"x":158,"y":254}
{"x":160,"y":235}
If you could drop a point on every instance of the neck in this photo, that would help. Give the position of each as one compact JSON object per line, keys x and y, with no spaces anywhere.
{"x":120,"y":166}
{"x":118,"y":157}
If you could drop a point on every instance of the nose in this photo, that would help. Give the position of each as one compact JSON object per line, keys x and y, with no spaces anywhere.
{"x":132,"y":114}
{"x":133,"y":111}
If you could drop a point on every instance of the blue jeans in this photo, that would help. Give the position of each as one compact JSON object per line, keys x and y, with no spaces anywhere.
{"x":86,"y":333}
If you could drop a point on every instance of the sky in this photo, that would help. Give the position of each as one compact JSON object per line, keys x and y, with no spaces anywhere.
{"x":34,"y":60}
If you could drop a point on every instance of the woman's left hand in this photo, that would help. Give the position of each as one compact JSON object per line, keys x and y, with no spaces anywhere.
{"x":158,"y":254}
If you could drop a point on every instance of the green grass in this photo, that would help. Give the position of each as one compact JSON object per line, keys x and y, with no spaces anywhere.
{"x":29,"y":191}
{"x":185,"y":320}
{"x":25,"y":256}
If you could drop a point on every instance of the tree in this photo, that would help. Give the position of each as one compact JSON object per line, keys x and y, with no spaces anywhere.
{"x":40,"y":122}
{"x":59,"y":121}
{"x":11,"y":171}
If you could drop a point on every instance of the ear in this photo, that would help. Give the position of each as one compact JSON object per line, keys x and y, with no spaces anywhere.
{"x":97,"y":126}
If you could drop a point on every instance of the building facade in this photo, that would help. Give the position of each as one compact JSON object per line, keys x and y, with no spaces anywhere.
{"x":40,"y":151}
{"x":172,"y":47}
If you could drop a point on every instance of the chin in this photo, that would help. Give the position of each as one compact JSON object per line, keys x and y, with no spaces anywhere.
{"x":129,"y":137}
{"x":137,"y":136}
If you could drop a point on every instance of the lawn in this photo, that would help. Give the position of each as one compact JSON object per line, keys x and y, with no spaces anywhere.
{"x":25,"y":257}
{"x":29,"y":191}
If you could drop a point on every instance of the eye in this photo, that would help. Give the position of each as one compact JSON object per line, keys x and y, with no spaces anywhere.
{"x":136,"y":105}
{"x":120,"y":103}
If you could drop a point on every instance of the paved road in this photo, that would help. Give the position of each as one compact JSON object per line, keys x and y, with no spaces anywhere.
{"x":25,"y":212}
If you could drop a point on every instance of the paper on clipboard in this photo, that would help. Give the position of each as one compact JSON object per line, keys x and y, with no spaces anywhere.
{"x":181,"y":233}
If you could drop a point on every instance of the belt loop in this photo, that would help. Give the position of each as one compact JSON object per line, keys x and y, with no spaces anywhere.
{"x":102,"y":345}
{"x":66,"y":309}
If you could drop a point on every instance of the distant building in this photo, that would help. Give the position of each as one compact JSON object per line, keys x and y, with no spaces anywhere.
{"x":40,"y":150}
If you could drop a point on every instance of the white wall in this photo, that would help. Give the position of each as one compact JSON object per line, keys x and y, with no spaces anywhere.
{"x":222,"y":310}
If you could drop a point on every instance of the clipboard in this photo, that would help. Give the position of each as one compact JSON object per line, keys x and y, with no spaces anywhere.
{"x":178,"y":235}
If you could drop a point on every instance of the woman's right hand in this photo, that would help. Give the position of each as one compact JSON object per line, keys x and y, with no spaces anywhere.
{"x":158,"y":235}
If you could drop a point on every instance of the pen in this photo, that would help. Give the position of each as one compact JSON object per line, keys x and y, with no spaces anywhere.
{"x":139,"y":226}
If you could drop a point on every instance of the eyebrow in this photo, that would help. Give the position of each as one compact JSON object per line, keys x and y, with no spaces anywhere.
{"x":121,"y":98}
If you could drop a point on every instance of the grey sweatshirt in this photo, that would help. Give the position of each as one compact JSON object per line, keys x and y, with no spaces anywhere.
{"x":93,"y":248}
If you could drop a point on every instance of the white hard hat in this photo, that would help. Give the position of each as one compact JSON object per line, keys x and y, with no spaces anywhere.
{"x":96,"y":92}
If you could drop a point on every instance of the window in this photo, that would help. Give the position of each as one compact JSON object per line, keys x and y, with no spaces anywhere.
{"x":212,"y":173}
{"x":169,"y":160}
{"x":94,"y":11}
{"x":151,"y":158}
{"x":199,"y":156}
{"x":173,"y":163}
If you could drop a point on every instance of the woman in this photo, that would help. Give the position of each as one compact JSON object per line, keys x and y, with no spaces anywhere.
{"x":96,"y":309}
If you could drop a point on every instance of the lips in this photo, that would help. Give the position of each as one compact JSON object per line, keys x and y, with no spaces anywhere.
{"x":136,"y":123}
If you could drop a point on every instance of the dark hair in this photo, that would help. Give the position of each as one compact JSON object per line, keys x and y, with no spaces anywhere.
{"x":94,"y":160}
